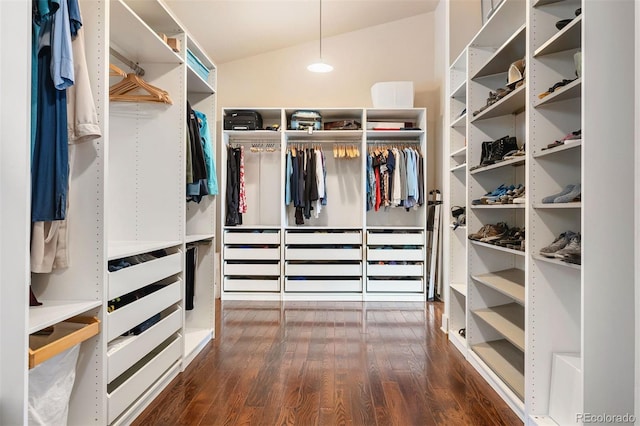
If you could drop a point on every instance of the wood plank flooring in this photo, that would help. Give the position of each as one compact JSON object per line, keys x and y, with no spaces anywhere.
{"x":328,"y":363}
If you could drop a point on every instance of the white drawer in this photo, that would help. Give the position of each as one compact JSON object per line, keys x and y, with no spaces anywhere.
{"x":251,"y":285}
{"x":322,"y":254}
{"x":395,"y":286}
{"x":395,"y":254}
{"x":323,"y":286}
{"x":138,"y":346}
{"x":252,"y":269}
{"x":137,"y":276}
{"x":251,"y":253}
{"x":395,"y":238}
{"x":323,"y":238}
{"x":160,"y":359}
{"x":319,"y":270}
{"x":128,"y":316}
{"x":231,"y":237}
{"x":394,"y":270}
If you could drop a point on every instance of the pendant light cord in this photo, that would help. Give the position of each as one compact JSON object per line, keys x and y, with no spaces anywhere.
{"x":320,"y":30}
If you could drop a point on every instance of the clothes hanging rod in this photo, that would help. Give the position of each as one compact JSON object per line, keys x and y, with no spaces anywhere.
{"x":316,"y":141}
{"x":135,"y":67}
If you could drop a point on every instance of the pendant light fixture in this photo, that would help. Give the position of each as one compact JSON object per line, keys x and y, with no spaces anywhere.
{"x":320,"y":66}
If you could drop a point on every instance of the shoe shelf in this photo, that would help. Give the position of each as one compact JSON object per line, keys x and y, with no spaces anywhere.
{"x":572,"y":90}
{"x":459,"y":227}
{"x":498,"y":248}
{"x":510,"y":282}
{"x":499,"y":206}
{"x":460,"y":122}
{"x":460,"y":92}
{"x":506,"y":361}
{"x":545,"y":2}
{"x":198,"y":237}
{"x":120,"y":249}
{"x":577,"y":143}
{"x":513,"y":103}
{"x":508,"y":320}
{"x":459,"y":152}
{"x":556,"y":261}
{"x":459,"y":288}
{"x":459,"y":168}
{"x":517,"y":161}
{"x":566,"y":39}
{"x":512,"y":50}
{"x":574,"y":205}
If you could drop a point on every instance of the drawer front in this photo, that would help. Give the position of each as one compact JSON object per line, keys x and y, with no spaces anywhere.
{"x":251,"y":285}
{"x":395,"y":238}
{"x":395,"y":254}
{"x":127,"y":317}
{"x":322,"y":254}
{"x":252,"y":269}
{"x":323,"y":286}
{"x":134,"y":277}
{"x":323,"y":238}
{"x":123,"y":358}
{"x":231,"y":237}
{"x":251,"y":253}
{"x":132,"y":388}
{"x":319,"y":270}
{"x":394,"y":270}
{"x":395,"y":286}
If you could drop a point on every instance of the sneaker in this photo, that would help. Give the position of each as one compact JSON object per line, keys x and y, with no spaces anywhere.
{"x":559,"y":243}
{"x":551,"y":198}
{"x":494,"y":232}
{"x":572,"y":248}
{"x":573,"y":195}
{"x":480,"y":234}
{"x":574,"y":258}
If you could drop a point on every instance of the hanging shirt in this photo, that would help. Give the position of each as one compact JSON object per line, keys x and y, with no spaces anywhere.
{"x":242,"y":204}
{"x":287,"y":179}
{"x":319,"y":175}
{"x":209,"y":158}
{"x":396,"y":196}
{"x":61,"y":52}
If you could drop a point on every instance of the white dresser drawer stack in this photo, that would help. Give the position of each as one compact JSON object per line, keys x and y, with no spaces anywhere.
{"x":395,"y":261}
{"x":319,"y":261}
{"x":252,"y":260}
{"x":143,"y":325}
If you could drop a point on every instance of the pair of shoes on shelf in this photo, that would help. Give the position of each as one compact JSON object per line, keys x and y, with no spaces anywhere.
{"x":567,"y":244}
{"x":489,"y":232}
{"x":515,"y":153}
{"x":514,"y":239}
{"x":496,"y":193}
{"x":570,"y":193}
{"x":555,"y":87}
{"x":564,"y":22}
{"x":508,"y":197}
{"x":573,"y":136}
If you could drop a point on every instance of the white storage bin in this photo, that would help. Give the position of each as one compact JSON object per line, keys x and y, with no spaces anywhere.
{"x":323,"y":286}
{"x":392,"y":94}
{"x":134,"y":386}
{"x":323,"y":238}
{"x":395,"y":286}
{"x":322,"y":254}
{"x":231,"y":284}
{"x":137,"y":276}
{"x":132,"y":349}
{"x":566,"y":383}
{"x":128,"y":316}
{"x":252,"y":269}
{"x":395,"y":254}
{"x":395,"y":238}
{"x":326,"y":270}
{"x":251,"y":253}
{"x":394,"y":270}
{"x":271,"y":238}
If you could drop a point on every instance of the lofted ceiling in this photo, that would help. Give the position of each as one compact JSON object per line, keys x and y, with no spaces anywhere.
{"x":232,"y":29}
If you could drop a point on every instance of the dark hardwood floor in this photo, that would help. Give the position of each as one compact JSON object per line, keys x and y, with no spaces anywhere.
{"x":328,"y":363}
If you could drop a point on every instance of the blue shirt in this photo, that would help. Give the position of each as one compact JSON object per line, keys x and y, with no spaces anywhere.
{"x":209,"y":158}
{"x":61,"y":51}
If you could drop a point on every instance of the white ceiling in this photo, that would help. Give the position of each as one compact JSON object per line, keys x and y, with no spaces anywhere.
{"x":232,"y":29}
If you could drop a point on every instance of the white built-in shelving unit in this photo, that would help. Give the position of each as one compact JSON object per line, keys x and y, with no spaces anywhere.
{"x":347,"y":252}
{"x":528,"y":315}
{"x":127,"y":198}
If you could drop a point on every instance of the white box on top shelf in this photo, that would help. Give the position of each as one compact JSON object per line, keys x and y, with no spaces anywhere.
{"x":392,"y":94}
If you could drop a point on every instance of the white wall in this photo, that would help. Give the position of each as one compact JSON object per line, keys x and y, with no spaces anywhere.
{"x":465,"y":17}
{"x":400,"y":50}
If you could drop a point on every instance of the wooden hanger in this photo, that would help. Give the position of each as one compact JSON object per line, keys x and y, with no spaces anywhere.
{"x":128,"y":90}
{"x":114,"y":71}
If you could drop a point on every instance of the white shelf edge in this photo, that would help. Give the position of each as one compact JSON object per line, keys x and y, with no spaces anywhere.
{"x":498,"y":248}
{"x":456,"y":93}
{"x":459,"y":227}
{"x":505,"y":106}
{"x":459,"y":167}
{"x":549,"y":44}
{"x":499,"y":206}
{"x":562,"y":93}
{"x":577,"y":143}
{"x":119,"y":249}
{"x":502,"y":363}
{"x":460,"y":121}
{"x":459,"y":288}
{"x":573,"y":205}
{"x":197,"y":84}
{"x":198,"y":237}
{"x":458,"y":152}
{"x":508,"y":320}
{"x":554,"y":261}
{"x":510,"y":282}
{"x":250,"y":227}
{"x":518,"y":161}
{"x":499,"y":51}
{"x":54,"y":311}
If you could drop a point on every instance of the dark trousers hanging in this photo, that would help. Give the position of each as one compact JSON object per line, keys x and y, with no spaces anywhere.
{"x":191,"y":259}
